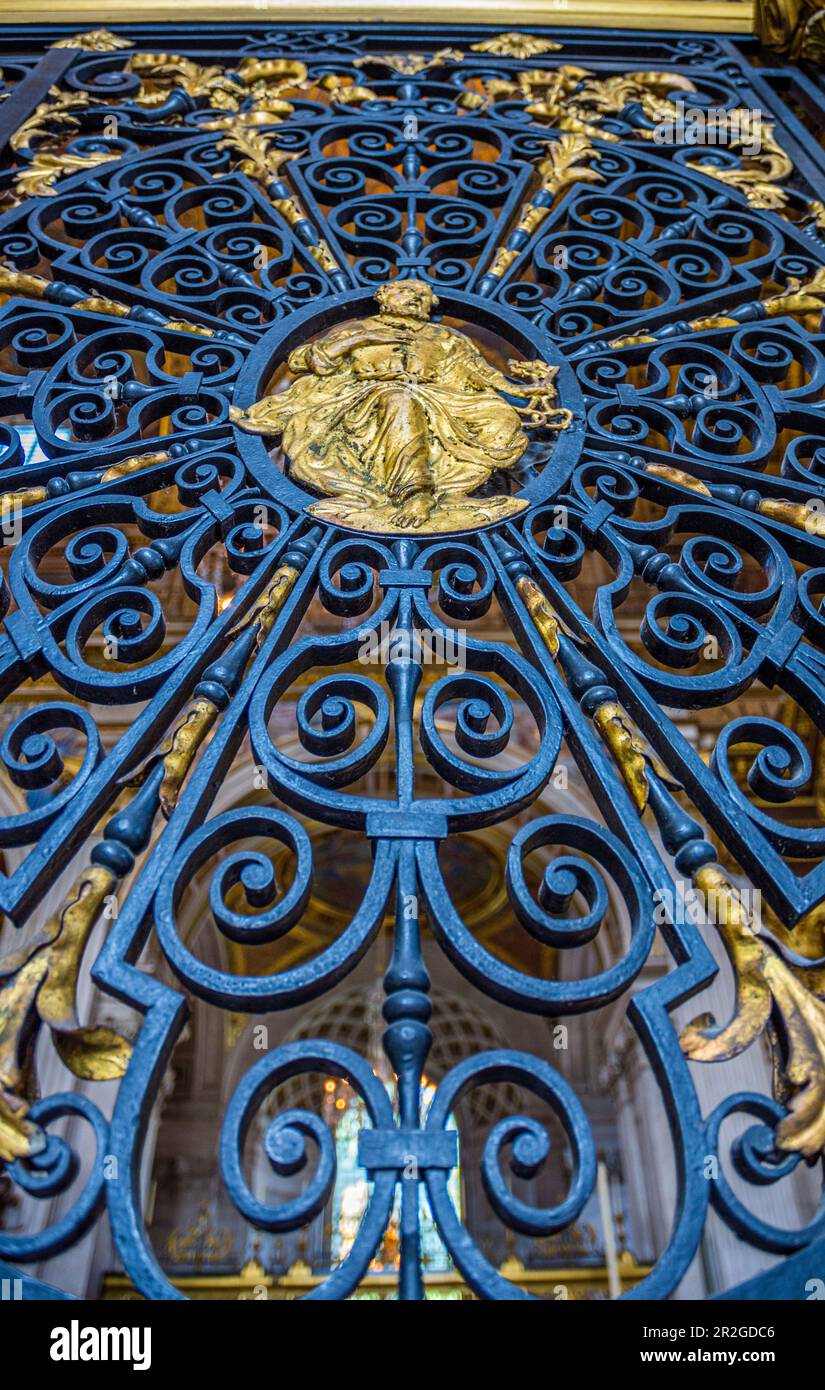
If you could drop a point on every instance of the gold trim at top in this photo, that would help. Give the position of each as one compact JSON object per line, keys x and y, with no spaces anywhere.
{"x":719,"y":16}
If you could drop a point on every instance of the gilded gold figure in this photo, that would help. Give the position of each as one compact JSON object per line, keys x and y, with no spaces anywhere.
{"x":792,"y":27}
{"x":398,"y":419}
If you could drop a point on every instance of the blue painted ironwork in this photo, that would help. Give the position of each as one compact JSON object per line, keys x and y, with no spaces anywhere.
{"x":406,"y":182}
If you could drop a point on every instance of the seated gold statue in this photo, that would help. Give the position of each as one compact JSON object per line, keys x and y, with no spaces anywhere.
{"x":398,"y":420}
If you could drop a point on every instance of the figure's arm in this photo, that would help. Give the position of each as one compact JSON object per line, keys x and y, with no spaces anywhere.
{"x":323,"y":356}
{"x":483,"y":373}
{"x":533,"y":378}
{"x":534,"y":382}
{"x":315,"y":357}
{"x":264,"y":417}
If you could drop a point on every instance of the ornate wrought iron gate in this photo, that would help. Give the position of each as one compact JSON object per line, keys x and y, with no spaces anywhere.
{"x":601,"y":339}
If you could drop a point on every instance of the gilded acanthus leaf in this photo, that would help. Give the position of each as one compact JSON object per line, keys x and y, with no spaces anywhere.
{"x":757,"y":176}
{"x":174,"y":70}
{"x":701,"y":1040}
{"x":803,"y":1018}
{"x":574,"y":99}
{"x":60,"y":112}
{"x":19,"y":1137}
{"x":94,"y":1054}
{"x":39,"y":178}
{"x":512,"y":45}
{"x":39,"y":986}
{"x":410,"y":64}
{"x":259,"y":158}
{"x":565,"y":163}
{"x":787,"y":1001}
{"x":94,"y":41}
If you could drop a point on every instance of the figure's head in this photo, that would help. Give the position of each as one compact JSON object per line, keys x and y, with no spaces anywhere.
{"x":411,"y":299}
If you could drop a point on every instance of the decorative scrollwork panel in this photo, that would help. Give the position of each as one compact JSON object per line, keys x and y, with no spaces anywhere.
{"x":409,"y":418}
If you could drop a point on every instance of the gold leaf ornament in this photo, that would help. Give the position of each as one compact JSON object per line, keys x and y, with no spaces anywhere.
{"x":514,"y":45}
{"x":94,"y":41}
{"x":39,"y":986}
{"x":94,"y":1054}
{"x":785,"y":1000}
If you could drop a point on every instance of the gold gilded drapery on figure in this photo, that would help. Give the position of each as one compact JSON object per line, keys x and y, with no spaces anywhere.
{"x":398,"y":419}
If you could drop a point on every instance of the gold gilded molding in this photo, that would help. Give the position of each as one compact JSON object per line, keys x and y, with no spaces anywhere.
{"x":710,"y":16}
{"x":341,"y":90}
{"x":398,"y":420}
{"x":19,"y":282}
{"x":263,"y":79}
{"x":784,"y":1000}
{"x":324,"y":257}
{"x":798,"y":299}
{"x":287,"y":72}
{"x":16,"y":501}
{"x":503,"y":260}
{"x":174,"y":70}
{"x":574,"y":99}
{"x":289,"y":209}
{"x":179,"y":325}
{"x":531,"y":217}
{"x":179,"y":750}
{"x":39,"y":981}
{"x":567,"y":161}
{"x":260,"y":159}
{"x":134,"y":465}
{"x":29,"y":496}
{"x":747,"y":955}
{"x":816,"y":213}
{"x":796,"y":514}
{"x":629,"y":753}
{"x":631,"y":340}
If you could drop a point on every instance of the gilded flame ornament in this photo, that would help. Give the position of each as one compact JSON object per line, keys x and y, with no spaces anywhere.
{"x":398,"y":420}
